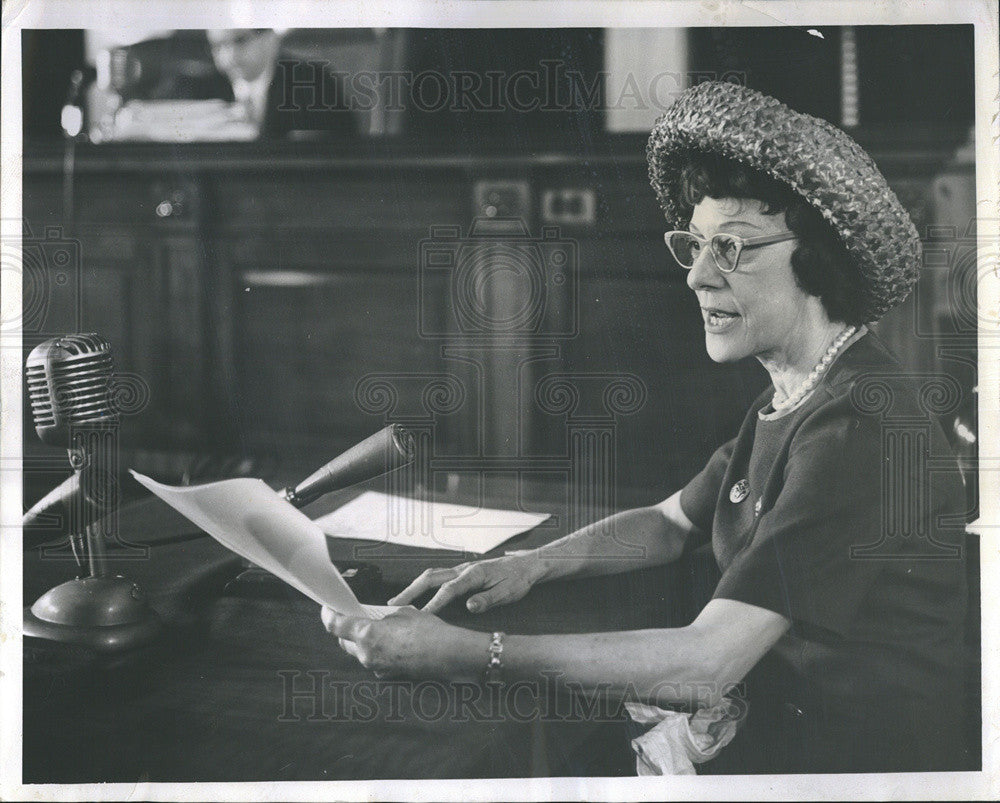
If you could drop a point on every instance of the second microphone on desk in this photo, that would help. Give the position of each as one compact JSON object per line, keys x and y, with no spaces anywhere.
{"x":388,"y":449}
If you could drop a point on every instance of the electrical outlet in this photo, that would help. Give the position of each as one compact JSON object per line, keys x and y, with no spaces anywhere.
{"x":571,"y":206}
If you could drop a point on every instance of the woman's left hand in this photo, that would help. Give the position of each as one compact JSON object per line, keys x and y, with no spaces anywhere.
{"x":409,"y":643}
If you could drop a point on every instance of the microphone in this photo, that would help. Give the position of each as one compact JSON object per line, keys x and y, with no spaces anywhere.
{"x":69,"y":379}
{"x":386,"y":450}
{"x":69,"y":388}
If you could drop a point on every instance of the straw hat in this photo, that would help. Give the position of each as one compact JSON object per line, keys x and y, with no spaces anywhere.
{"x":816,"y":159}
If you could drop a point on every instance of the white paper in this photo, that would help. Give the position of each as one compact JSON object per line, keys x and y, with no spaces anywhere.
{"x":432,"y":525}
{"x":183,"y":121}
{"x":250,"y":518}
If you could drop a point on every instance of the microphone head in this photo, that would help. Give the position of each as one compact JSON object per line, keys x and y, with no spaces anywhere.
{"x":69,"y":383}
{"x":405,"y":447}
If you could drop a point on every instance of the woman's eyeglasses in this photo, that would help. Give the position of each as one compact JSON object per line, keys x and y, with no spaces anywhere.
{"x":725,"y":248}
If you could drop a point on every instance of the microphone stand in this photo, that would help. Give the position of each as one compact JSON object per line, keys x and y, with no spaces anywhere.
{"x":103,"y":611}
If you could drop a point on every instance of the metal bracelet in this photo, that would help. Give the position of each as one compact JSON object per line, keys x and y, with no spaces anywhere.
{"x":494,"y":666}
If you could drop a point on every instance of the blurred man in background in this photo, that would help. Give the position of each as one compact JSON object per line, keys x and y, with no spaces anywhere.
{"x":294,"y":80}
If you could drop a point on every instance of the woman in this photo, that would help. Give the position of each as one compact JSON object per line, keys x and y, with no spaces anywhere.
{"x":793,"y":242}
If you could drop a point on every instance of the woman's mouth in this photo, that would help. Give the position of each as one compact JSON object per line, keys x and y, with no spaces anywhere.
{"x":717,"y":320}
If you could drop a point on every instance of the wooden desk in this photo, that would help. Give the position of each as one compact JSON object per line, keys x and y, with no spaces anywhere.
{"x":210,"y":700}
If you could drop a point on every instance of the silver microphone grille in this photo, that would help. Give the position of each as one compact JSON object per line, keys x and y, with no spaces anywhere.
{"x":69,"y":383}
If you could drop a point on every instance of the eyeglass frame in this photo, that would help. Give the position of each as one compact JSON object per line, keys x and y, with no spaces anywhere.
{"x":741,"y":244}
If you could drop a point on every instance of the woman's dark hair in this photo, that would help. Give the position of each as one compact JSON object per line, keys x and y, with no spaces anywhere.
{"x":821,"y":264}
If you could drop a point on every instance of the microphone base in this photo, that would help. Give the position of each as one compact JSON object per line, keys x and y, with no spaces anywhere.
{"x":108,"y":614}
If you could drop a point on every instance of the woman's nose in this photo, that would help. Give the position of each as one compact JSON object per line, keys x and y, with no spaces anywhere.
{"x":704,"y":272}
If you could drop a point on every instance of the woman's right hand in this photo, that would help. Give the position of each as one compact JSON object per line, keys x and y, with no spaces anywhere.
{"x":497,"y":581}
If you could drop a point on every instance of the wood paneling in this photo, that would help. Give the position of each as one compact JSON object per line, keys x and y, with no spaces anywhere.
{"x":284,"y":275}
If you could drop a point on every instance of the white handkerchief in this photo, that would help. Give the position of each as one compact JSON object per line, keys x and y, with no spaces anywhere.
{"x":677,"y":741}
{"x":251,"y":519}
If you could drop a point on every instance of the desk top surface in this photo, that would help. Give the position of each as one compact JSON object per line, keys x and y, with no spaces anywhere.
{"x":244,"y":688}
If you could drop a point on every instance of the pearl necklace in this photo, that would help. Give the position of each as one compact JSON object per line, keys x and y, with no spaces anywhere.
{"x":810,"y":381}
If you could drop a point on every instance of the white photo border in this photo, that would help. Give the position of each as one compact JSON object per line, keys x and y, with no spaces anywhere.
{"x":120,"y":14}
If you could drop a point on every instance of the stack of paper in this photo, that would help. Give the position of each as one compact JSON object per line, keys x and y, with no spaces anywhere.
{"x":183,"y":121}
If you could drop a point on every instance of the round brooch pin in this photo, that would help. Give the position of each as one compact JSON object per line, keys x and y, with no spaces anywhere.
{"x":739,"y":492}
